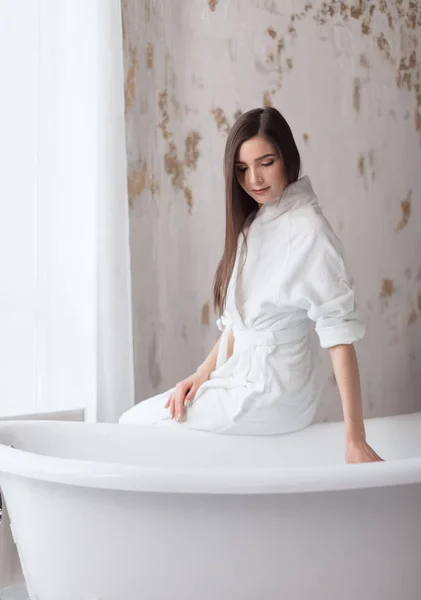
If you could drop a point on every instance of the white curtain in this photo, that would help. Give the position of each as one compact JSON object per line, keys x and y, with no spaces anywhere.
{"x":66,"y":282}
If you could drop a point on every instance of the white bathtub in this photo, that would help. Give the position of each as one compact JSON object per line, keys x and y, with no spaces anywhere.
{"x":121,"y":512}
{"x":10,"y":569}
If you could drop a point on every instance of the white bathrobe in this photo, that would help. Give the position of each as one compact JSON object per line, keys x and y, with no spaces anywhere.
{"x":294,"y":277}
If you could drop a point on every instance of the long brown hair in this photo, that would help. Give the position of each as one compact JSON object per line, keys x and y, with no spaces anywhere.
{"x":240,"y":208}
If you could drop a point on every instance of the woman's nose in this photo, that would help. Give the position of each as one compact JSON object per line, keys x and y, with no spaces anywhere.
{"x":255,"y":177}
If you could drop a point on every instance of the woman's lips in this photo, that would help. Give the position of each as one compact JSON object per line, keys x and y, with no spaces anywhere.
{"x":261,"y":192}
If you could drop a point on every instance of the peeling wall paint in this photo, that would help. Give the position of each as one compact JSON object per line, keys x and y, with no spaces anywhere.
{"x":388,"y":289}
{"x":406,"y":212}
{"x":149,"y":56}
{"x":357,"y":95}
{"x":361,"y":165}
{"x":130,"y":79}
{"x":206,"y":314}
{"x":347,"y":77}
{"x":221,"y":120}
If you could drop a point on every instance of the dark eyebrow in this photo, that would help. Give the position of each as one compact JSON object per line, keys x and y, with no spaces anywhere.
{"x":238,"y":162}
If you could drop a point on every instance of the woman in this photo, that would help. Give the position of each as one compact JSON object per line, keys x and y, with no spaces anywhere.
{"x":282,"y":269}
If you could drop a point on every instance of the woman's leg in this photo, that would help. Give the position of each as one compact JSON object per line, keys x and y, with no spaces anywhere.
{"x":212,"y":411}
{"x":149,"y":412}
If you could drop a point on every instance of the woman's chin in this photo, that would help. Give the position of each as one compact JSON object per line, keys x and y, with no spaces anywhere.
{"x":265,"y":199}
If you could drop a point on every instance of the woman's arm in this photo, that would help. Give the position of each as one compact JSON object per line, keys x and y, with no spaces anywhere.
{"x":209,"y":364}
{"x":185,"y":390}
{"x":345,"y":367}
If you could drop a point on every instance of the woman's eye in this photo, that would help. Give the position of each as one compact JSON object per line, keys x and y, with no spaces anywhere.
{"x":241,"y":169}
{"x":268,"y":164}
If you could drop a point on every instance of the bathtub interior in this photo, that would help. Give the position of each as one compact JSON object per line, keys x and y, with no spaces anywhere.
{"x":319,"y":445}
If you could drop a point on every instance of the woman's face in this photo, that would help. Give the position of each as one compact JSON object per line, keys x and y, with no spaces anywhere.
{"x":260,"y":170}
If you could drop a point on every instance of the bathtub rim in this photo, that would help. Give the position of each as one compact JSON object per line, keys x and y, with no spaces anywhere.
{"x":194,"y":480}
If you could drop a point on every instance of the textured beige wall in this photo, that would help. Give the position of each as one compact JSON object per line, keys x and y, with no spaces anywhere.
{"x":347,"y":77}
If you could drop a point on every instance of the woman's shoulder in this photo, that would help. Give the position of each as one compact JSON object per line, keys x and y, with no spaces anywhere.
{"x":311,"y":232}
{"x":309,"y":220}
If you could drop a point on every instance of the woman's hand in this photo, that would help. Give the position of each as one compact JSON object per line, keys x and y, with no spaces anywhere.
{"x":358,"y":451}
{"x":184,"y":394}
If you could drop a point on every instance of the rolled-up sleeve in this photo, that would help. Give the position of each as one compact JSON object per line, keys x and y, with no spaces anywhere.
{"x":321,"y":284}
